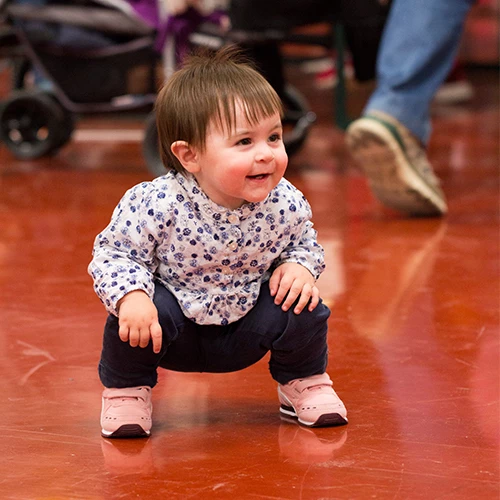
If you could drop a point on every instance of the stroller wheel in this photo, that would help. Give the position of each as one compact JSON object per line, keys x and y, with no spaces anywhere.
{"x":150,"y":148}
{"x":30,"y":124}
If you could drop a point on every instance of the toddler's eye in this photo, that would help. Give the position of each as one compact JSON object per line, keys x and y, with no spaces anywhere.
{"x":244,"y":142}
{"x":275,"y":138}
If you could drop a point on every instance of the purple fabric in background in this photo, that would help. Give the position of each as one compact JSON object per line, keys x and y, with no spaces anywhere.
{"x":180,"y":26}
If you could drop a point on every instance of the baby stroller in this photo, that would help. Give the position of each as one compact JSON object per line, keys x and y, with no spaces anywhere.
{"x":86,"y":56}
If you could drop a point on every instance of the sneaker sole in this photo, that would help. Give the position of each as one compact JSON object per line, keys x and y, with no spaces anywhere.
{"x":393,"y":179}
{"x":126,"y":431}
{"x":326,"y":420}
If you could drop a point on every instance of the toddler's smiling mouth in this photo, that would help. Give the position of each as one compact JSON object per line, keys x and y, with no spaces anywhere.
{"x":258,"y":177}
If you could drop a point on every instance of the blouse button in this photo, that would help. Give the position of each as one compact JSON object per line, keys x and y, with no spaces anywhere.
{"x":233,"y":219}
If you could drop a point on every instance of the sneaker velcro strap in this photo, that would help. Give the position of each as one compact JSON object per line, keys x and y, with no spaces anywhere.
{"x":314,"y":381}
{"x":127,"y":393}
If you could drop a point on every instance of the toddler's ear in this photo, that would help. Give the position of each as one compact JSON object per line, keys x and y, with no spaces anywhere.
{"x":186,"y":154}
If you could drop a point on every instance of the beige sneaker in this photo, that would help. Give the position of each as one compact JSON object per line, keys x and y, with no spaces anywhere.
{"x":396,"y":165}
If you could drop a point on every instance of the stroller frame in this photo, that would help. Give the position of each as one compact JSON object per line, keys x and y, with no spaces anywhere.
{"x":36,"y":122}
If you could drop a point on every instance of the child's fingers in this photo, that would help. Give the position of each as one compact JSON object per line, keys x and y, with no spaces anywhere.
{"x":305,"y":296}
{"x":134,"y":336}
{"x":144,"y":336}
{"x":293,"y":293}
{"x":314,"y":299}
{"x":156,"y":336}
{"x":123,"y":333}
{"x":285,"y":292}
{"x":274,"y":282}
{"x":284,"y":296}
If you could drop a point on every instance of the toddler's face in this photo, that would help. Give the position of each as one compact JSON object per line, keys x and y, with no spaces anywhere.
{"x":244,"y":164}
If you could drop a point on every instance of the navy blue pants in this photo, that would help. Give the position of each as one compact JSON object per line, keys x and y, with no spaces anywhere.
{"x":298,"y":344}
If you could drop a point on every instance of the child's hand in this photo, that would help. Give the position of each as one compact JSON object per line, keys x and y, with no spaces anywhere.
{"x":295,"y":280}
{"x":138,"y":320}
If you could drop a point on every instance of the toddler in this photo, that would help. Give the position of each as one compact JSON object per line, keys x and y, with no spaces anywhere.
{"x":211,"y":266}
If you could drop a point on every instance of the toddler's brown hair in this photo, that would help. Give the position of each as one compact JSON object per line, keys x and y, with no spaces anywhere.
{"x":206,"y":89}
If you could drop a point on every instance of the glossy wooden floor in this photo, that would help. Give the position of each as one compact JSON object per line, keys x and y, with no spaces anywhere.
{"x":414,"y":335}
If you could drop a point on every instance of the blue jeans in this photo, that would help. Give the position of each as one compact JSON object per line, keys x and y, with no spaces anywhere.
{"x":298,"y":344}
{"x":418,"y":47}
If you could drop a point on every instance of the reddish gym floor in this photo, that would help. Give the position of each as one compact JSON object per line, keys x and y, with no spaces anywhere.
{"x":414,"y":335}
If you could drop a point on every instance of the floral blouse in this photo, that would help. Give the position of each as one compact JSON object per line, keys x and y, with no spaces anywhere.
{"x":212,"y":259}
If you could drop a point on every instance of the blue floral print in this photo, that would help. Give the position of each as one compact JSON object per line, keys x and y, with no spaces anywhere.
{"x":212,"y":259}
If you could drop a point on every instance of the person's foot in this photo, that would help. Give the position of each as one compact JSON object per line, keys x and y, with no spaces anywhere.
{"x":126,"y":412}
{"x":312,"y":401}
{"x":396,"y":165}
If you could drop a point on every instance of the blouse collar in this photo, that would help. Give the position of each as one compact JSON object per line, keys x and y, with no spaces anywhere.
{"x":214,"y":210}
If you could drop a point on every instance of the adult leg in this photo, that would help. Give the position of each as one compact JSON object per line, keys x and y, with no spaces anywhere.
{"x":254,"y":16}
{"x":418,"y":47}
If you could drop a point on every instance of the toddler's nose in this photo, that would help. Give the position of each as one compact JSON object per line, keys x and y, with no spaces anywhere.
{"x":264,"y":154}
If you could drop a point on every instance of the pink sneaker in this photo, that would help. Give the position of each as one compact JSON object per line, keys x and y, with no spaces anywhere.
{"x":126,"y":412}
{"x":313,"y":401}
